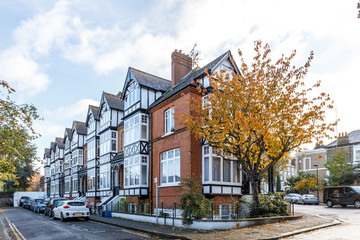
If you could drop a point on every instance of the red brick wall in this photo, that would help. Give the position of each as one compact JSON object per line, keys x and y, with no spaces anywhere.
{"x":120,"y":131}
{"x":190,"y":148}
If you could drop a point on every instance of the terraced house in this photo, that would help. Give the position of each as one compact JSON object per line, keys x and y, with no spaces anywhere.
{"x":133,"y":140}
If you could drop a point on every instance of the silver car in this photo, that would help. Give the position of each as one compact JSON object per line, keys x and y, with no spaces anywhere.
{"x":293,"y":198}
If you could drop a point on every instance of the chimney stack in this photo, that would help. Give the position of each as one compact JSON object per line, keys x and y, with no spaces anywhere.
{"x":181,"y":64}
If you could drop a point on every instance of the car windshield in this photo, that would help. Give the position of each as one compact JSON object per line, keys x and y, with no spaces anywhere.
{"x":75,"y":204}
{"x":356,"y":188}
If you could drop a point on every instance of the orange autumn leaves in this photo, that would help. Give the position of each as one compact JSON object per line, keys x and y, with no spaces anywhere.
{"x":262,"y":114}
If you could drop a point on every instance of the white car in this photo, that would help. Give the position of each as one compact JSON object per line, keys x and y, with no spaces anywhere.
{"x":71,"y":209}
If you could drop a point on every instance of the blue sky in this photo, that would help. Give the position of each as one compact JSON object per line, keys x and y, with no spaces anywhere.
{"x":61,"y":55}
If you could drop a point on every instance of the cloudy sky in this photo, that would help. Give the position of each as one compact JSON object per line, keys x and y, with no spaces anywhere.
{"x":61,"y":55}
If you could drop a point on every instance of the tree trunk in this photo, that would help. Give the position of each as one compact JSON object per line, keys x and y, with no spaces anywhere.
{"x":255,"y":184}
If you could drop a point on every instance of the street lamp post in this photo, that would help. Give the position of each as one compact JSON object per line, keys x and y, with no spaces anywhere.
{"x":317,"y":180}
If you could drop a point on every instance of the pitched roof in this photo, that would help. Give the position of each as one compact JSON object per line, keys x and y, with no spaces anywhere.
{"x":114,"y":101}
{"x":95,"y":111}
{"x":52,"y":146}
{"x":354,"y":137}
{"x":68,"y":132}
{"x":47,"y":153}
{"x":188,"y":79}
{"x":80,"y":127}
{"x":151,"y":81}
{"x":59,"y":142}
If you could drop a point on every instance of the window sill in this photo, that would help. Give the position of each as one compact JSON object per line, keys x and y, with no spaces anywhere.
{"x":167,"y":134}
{"x":170,"y":185}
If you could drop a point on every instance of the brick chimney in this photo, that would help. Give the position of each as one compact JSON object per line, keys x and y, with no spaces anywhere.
{"x":181,"y":65}
{"x":343,"y":139}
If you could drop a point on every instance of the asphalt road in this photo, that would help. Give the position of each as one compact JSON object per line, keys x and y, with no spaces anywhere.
{"x":23,"y":224}
{"x":349,"y":216}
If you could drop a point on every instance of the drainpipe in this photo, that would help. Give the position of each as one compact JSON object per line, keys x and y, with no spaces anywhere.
{"x":151,"y":158}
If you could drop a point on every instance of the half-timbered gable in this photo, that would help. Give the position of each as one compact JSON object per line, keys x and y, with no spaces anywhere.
{"x":59,"y":166}
{"x":140,"y":91}
{"x":67,"y":161}
{"x":92,"y":124}
{"x":110,"y":115}
{"x":47,"y":171}
{"x":78,"y":134}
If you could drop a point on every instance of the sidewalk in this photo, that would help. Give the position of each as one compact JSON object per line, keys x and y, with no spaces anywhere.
{"x":269,"y":231}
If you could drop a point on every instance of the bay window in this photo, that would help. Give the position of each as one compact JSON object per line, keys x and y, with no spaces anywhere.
{"x":108,"y":142}
{"x":67,"y":184}
{"x":136,"y":171}
{"x":170,"y":167}
{"x":91,"y":179}
{"x":77,"y":157}
{"x":105,"y":176}
{"x":105,"y":118}
{"x":74,"y":183}
{"x":135,"y":129}
{"x":218,"y":169}
{"x":91,"y":146}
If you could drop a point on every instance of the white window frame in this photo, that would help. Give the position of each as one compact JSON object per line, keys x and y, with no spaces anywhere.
{"x":169,"y":120}
{"x":356,"y":158}
{"x":133,"y":169}
{"x":171,"y":156}
{"x":210,"y":152}
{"x":133,"y":128}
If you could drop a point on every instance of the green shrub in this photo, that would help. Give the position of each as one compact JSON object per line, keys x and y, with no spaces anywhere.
{"x":193,"y":202}
{"x":271,"y":205}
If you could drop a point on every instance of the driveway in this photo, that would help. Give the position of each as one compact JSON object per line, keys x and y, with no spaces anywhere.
{"x":350,"y":216}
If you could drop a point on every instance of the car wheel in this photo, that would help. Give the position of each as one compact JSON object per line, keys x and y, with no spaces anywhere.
{"x":343,"y":205}
{"x":357,"y":204}
{"x":329,"y":203}
{"x":53,"y":216}
{"x":62,"y":217}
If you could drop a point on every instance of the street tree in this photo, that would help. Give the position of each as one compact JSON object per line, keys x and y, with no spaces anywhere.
{"x":260,"y":115}
{"x":341,"y":172}
{"x":16,"y":133}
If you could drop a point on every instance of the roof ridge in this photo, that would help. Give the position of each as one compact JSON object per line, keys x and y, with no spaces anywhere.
{"x":149,"y":74}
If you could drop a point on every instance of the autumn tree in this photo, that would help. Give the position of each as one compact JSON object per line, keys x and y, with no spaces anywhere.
{"x":16,"y":133}
{"x":260,"y":115}
{"x":341,"y":172}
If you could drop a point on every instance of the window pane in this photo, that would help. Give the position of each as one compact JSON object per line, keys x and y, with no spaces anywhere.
{"x":143,"y":174}
{"x":216,"y":168}
{"x":227,"y":171}
{"x":163,"y":175}
{"x":144,"y":131}
{"x":206,"y":169}
{"x":171,"y":171}
{"x":177,"y":170}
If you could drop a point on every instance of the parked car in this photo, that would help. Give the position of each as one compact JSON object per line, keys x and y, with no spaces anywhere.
{"x":342,"y":195}
{"x":39,"y":206}
{"x":309,"y":199}
{"x":25,"y":203}
{"x":50,"y":205}
{"x":293,"y":198}
{"x":28,"y":203}
{"x":71,"y":209}
{"x":34,"y":201}
{"x":22,"y":200}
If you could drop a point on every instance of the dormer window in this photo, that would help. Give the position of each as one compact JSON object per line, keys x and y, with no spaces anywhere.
{"x":132,"y":94}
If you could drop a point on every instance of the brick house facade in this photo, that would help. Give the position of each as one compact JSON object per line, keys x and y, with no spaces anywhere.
{"x":134,"y":137}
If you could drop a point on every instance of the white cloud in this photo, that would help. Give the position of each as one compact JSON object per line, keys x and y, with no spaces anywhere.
{"x":75,"y":111}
